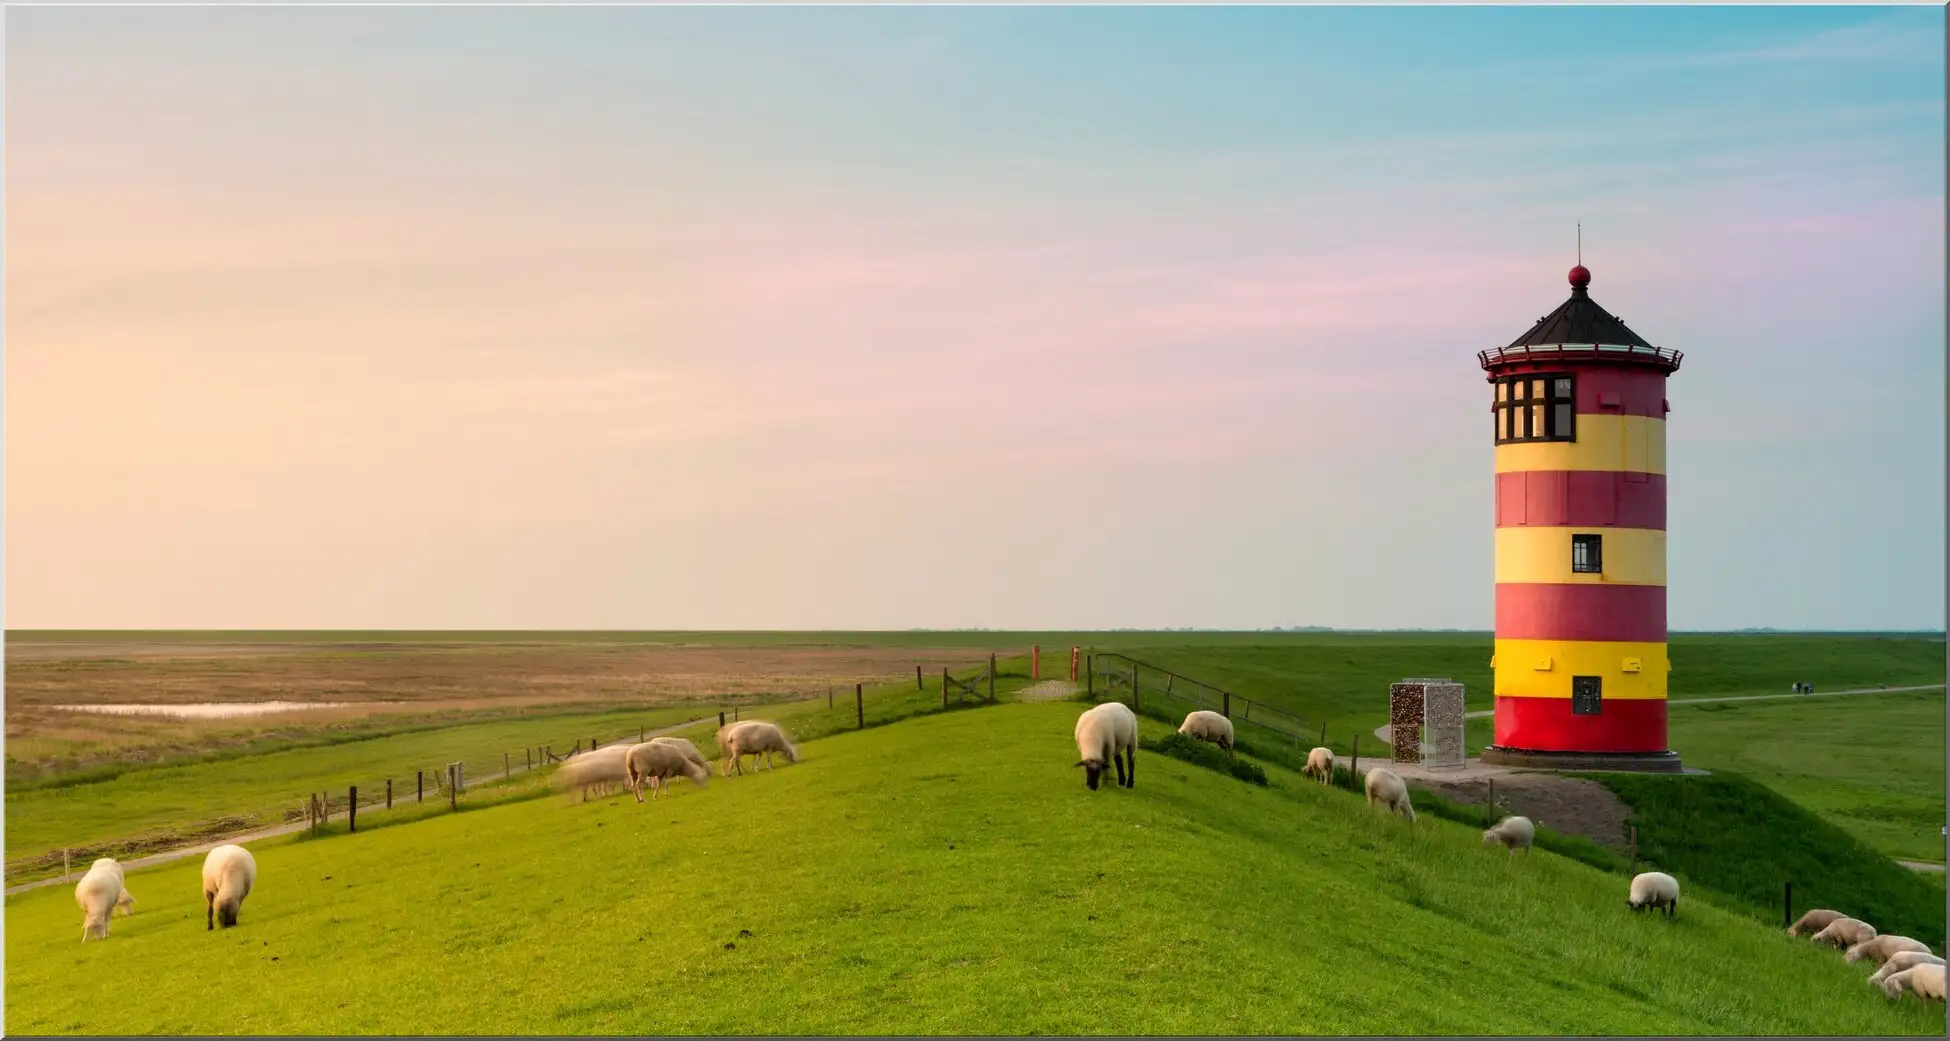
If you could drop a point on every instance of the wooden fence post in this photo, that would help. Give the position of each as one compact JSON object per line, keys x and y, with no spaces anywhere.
{"x":1035,"y":661}
{"x":829,"y":700}
{"x":1787,"y":905}
{"x":453,"y":787}
{"x":944,"y":686}
{"x":1226,"y":710}
{"x":860,"y":705}
{"x":1355,"y":769}
{"x":919,"y":686}
{"x":352,"y":809}
{"x":506,"y":769}
{"x":1323,"y":732}
{"x":389,"y":793}
{"x":1492,"y":802}
{"x":65,"y":871}
{"x":419,"y":786}
{"x":529,"y":754}
{"x":991,"y":677}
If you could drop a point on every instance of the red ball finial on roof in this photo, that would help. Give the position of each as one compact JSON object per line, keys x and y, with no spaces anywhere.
{"x":1580,"y":277}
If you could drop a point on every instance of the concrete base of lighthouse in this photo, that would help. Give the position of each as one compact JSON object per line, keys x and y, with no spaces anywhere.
{"x":1635,"y":762}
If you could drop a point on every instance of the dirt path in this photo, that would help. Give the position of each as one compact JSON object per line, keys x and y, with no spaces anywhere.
{"x":288,"y":828}
{"x":1048,"y":690}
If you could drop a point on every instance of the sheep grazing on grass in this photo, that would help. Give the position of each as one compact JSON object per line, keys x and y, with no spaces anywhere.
{"x":228,"y":873}
{"x":1878,"y":948}
{"x":686,"y":747}
{"x":755,"y":738}
{"x":1206,"y":725}
{"x":1106,"y":735}
{"x":1514,"y":832}
{"x":1902,"y":960}
{"x":1843,"y":933}
{"x":1387,"y":788}
{"x":654,"y":763}
{"x":1924,"y":981}
{"x":1654,"y":889}
{"x":727,"y":761}
{"x":98,"y":893}
{"x":598,"y":768}
{"x":1813,"y":922}
{"x":1320,"y":765}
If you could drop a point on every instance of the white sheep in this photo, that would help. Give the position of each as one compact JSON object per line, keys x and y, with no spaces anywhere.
{"x":98,"y":893}
{"x":1387,"y":788}
{"x":597,"y":768}
{"x":1320,"y":765}
{"x":653,"y":763}
{"x":686,"y":747}
{"x":1899,"y":961}
{"x":756,"y":737}
{"x":1206,"y":725}
{"x":1654,"y":889}
{"x":1924,"y":981}
{"x":228,"y":873}
{"x":1108,"y":734}
{"x":1878,"y":948}
{"x":1813,"y":922}
{"x":726,"y":760}
{"x":1514,"y":832}
{"x":1843,"y":933}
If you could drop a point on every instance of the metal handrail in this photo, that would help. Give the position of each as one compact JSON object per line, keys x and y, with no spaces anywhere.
{"x":1666,"y":357}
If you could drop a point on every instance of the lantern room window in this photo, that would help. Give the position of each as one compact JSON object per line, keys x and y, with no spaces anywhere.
{"x":1537,"y":406}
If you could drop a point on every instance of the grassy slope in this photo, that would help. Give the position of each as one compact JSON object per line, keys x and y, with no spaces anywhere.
{"x":1873,"y":765}
{"x":1741,"y":838}
{"x":1343,"y":679}
{"x":896,"y":881}
{"x":260,"y":787}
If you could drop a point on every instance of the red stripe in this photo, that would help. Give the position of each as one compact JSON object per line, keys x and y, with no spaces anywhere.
{"x":1547,"y":725}
{"x":1580,"y":499}
{"x":1608,"y":390}
{"x":1588,"y":611}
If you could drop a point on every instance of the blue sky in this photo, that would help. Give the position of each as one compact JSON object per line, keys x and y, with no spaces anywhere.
{"x":695,"y":317}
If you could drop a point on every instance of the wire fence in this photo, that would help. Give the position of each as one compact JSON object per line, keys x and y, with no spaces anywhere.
{"x":1159,"y":692}
{"x":352,"y":800}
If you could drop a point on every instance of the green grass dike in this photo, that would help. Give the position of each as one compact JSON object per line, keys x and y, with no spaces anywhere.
{"x":948,"y":874}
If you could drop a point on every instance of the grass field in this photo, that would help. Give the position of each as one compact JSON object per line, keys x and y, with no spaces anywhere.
{"x":1873,"y":764}
{"x":898,"y":881}
{"x":1742,"y":839}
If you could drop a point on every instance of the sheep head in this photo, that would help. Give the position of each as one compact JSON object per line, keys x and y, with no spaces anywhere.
{"x":1093,"y":772}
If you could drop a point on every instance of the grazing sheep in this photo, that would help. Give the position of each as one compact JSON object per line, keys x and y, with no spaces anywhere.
{"x":1206,"y":725}
{"x":1387,"y":788}
{"x":1813,"y":922}
{"x":98,"y":894}
{"x":597,"y":768}
{"x":228,"y":873}
{"x":1843,"y":933}
{"x":1899,"y":961}
{"x":683,"y":745}
{"x":1654,"y":889}
{"x":726,"y":760}
{"x":1106,"y":735}
{"x":1878,"y":948}
{"x":654,"y":763}
{"x":756,"y":738}
{"x":1514,"y":832}
{"x":1320,"y":765}
{"x":1924,"y":981}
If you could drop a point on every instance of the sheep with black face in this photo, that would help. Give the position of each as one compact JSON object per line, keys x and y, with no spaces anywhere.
{"x":1107,"y":735}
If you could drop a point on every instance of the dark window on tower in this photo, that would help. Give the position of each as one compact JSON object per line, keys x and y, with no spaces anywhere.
{"x":1587,"y":557}
{"x":1535,"y":407}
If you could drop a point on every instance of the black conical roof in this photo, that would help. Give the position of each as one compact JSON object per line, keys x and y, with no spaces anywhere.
{"x":1579,"y":320}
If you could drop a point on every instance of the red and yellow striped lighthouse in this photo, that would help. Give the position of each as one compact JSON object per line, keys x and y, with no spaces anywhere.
{"x":1580,"y":661}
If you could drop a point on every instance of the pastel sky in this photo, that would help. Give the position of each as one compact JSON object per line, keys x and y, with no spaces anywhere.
{"x":906,"y":317}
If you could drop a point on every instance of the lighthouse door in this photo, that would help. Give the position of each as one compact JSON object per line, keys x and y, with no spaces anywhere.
{"x":1585,"y":695}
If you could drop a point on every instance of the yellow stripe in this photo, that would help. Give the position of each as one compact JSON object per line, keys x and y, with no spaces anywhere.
{"x":1543,"y":668}
{"x":1629,"y":556}
{"x":1604,"y":442}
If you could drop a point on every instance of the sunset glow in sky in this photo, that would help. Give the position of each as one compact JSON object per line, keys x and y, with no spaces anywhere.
{"x":897,"y":318}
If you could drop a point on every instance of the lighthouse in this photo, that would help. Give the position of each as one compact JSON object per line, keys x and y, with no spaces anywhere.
{"x":1580,"y":662}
